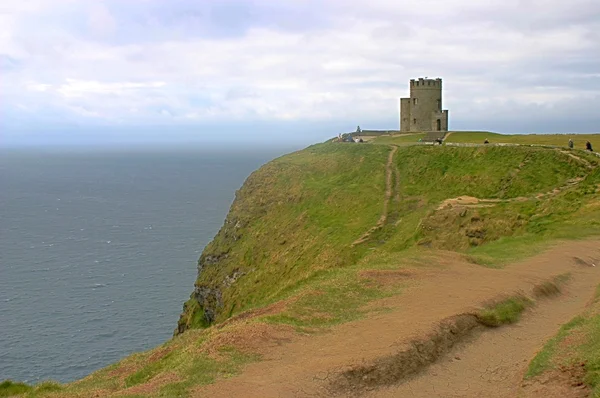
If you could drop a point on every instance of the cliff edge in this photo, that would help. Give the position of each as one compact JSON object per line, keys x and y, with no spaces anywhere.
{"x":329,"y":205}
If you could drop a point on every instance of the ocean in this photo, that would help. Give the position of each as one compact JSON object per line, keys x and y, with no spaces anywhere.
{"x":98,"y":250}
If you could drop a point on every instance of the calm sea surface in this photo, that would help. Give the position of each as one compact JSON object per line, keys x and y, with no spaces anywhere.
{"x":98,"y":251}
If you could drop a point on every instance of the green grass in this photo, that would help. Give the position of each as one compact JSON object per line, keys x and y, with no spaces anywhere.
{"x":200,"y":370}
{"x":10,"y":388}
{"x":506,"y":250}
{"x":507,"y":230}
{"x":505,"y":312}
{"x":590,"y":353}
{"x":524,"y":139}
{"x":289,"y":234}
{"x":298,"y":215}
{"x":542,"y":360}
{"x":188,"y":367}
{"x":584,"y":348}
{"x":586,"y":332}
{"x":399,"y":139}
{"x":367,"y":133}
{"x":439,"y":173}
{"x":336,"y":296}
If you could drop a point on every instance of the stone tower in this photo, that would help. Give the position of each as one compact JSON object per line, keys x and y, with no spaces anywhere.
{"x":422,"y":112}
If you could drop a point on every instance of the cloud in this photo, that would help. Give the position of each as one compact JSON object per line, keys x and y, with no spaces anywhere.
{"x":101,"y":23}
{"x":187,"y":62}
{"x":83,"y":88}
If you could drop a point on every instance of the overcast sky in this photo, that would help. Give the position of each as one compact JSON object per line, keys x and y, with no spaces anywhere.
{"x":77,"y":70}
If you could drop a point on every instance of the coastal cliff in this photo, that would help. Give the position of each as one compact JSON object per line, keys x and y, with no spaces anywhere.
{"x":309,"y":211}
{"x":335,"y":237}
{"x":293,"y":217}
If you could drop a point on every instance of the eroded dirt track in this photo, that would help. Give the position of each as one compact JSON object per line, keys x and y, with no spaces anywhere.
{"x":490,"y":365}
{"x":494,"y":363}
{"x":391,"y":173}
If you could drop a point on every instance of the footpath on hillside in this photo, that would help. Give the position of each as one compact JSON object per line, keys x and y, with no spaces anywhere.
{"x":491,"y":363}
{"x":391,"y":188}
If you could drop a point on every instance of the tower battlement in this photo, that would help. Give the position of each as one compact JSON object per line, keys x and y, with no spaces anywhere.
{"x":424,"y":83}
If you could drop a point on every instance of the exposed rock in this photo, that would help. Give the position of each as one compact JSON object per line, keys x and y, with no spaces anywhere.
{"x":231,"y":279}
{"x":210,"y":300}
{"x":210,"y":259}
{"x":478,"y":233}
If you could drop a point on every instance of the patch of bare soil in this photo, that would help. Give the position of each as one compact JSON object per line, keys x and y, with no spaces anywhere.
{"x":566,"y":376}
{"x":585,"y":263}
{"x":119,"y":374}
{"x":152,"y":386}
{"x":387,"y":277}
{"x":122,"y":371}
{"x":570,"y":183}
{"x":250,"y":338}
{"x":425,"y":351}
{"x":473,"y":202}
{"x":577,"y":158}
{"x":460,"y":201}
{"x":272,"y":309}
{"x":546,"y":289}
{"x":491,"y":364}
{"x":409,"y":362}
{"x":565,"y":382}
{"x":159,"y":354}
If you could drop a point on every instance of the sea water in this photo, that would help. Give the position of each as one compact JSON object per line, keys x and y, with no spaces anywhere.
{"x":98,"y":250}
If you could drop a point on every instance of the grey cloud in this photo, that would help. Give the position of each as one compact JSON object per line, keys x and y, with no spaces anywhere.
{"x":157,"y":20}
{"x":502,"y":62}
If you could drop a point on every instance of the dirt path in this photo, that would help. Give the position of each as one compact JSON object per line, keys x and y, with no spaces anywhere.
{"x":389,"y":188}
{"x":577,"y":158}
{"x":493,"y":365}
{"x":305,"y":366}
{"x":473,"y":202}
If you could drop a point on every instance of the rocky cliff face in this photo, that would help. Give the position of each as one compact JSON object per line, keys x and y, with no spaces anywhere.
{"x":206,"y":301}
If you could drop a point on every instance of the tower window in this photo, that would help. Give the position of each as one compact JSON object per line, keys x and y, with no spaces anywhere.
{"x":415,"y":101}
{"x":414,"y":121}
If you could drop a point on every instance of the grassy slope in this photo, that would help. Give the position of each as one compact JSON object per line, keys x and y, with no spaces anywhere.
{"x":293,"y":218}
{"x":584,"y":332}
{"x":399,"y":139}
{"x":298,"y":215}
{"x":430,"y":175}
{"x":289,"y":233}
{"x":527,"y":139}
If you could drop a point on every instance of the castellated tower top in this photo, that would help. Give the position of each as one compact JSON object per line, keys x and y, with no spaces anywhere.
{"x":425,"y":82}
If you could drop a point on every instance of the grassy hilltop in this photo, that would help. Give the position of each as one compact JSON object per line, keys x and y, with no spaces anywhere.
{"x":298,"y":216}
{"x":306,"y":228}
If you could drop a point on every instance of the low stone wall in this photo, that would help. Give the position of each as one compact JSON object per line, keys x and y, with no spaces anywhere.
{"x":469,"y":144}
